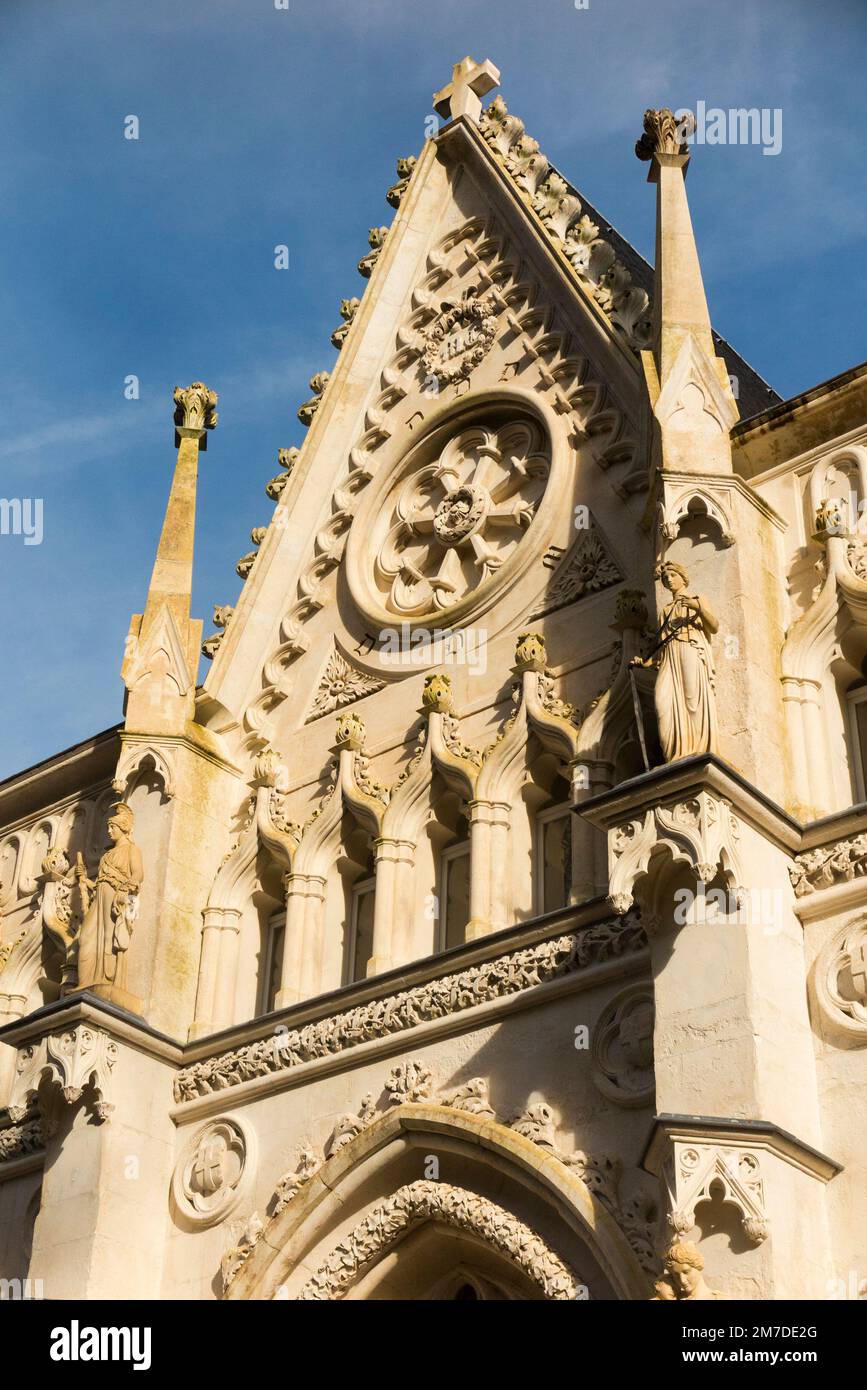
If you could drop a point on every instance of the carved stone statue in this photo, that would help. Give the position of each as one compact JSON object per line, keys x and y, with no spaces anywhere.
{"x":684,"y":694}
{"x":683,"y":1279}
{"x":107,"y":927}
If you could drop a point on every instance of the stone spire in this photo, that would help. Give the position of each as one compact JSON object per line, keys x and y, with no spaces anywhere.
{"x":463,"y":96}
{"x":692,"y":397}
{"x":161,"y":660}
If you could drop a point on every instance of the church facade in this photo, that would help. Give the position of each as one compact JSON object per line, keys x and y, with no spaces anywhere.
{"x":491,"y":922}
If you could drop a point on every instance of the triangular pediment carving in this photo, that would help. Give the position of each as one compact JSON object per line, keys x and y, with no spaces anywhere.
{"x":586,"y":567}
{"x":341,"y":684}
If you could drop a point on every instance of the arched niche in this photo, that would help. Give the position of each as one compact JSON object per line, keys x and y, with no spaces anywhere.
{"x":370,"y":1216}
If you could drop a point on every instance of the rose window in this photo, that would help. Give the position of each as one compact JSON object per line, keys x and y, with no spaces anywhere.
{"x":454,"y":522}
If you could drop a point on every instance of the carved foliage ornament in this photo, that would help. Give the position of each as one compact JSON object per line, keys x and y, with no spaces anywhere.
{"x":665,"y":133}
{"x":340,"y":685}
{"x":449,"y":1206}
{"x":499,"y":978}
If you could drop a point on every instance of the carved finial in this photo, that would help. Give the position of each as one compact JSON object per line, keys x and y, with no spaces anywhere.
{"x":530,"y":654}
{"x":665,"y":133}
{"x":268,"y":770}
{"x":351,"y":732}
{"x":470,"y":82}
{"x":630,"y":611}
{"x":437,"y":693}
{"x":195,"y":407}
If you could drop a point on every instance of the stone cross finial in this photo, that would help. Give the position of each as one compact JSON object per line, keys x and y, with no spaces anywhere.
{"x":195,"y":407}
{"x":463,"y":96}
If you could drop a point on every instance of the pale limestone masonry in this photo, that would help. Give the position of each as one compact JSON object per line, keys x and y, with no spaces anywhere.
{"x":492,"y":921}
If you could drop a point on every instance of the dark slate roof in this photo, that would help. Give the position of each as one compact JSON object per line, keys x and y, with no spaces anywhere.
{"x":754,"y":393}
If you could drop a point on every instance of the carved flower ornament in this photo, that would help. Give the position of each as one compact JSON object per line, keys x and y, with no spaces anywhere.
{"x":451,"y":524}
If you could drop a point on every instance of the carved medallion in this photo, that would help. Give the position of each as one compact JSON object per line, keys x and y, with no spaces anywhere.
{"x":459,"y":337}
{"x":623,"y":1047}
{"x":209,"y":1180}
{"x":841,"y":981}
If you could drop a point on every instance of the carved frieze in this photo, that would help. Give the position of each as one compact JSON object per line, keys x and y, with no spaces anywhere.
{"x":503,"y":976}
{"x":822,"y":868}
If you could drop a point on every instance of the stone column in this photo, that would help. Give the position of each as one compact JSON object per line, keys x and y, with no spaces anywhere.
{"x":394,"y":904}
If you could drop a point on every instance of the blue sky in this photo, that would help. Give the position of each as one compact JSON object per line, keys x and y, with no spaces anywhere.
{"x":261,"y":126}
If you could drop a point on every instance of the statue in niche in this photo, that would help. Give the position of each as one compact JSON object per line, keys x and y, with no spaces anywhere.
{"x":684,"y":694}
{"x":683,"y":1278}
{"x":106,"y":931}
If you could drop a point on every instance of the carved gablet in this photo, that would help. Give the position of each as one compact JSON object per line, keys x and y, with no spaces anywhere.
{"x":68,"y":1064}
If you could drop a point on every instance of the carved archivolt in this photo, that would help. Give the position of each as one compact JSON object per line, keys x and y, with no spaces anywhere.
{"x":82,"y":1057}
{"x":450,"y":1206}
{"x":410,"y":1083}
{"x":840,"y":979}
{"x":505,"y":975}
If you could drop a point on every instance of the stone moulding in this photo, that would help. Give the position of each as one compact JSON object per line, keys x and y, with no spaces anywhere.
{"x":506,"y":975}
{"x":450,"y":1206}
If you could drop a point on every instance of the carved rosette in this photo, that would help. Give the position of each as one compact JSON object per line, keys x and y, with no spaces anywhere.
{"x":452,"y":524}
{"x":71,"y":1062}
{"x":213,"y":1173}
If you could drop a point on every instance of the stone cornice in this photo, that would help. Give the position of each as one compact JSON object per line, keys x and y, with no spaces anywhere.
{"x":761,"y":1134}
{"x":86,"y":1008}
{"x":684,"y":778}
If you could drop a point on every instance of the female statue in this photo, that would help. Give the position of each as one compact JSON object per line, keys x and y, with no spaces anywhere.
{"x":684,"y":694}
{"x":107,"y":927}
